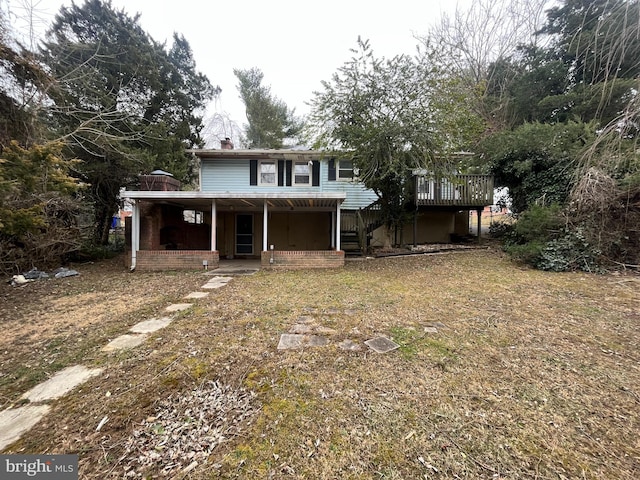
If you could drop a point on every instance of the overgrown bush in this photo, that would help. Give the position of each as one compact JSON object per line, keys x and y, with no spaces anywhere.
{"x":571,"y":251}
{"x":542,"y":238}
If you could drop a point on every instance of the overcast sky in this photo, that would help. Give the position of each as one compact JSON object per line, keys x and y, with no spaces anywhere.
{"x":296,"y":44}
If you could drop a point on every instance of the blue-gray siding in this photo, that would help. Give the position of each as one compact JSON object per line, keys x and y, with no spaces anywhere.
{"x":232,"y":176}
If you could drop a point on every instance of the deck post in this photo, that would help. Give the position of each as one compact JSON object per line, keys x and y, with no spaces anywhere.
{"x":415,"y":227}
{"x":479,"y":212}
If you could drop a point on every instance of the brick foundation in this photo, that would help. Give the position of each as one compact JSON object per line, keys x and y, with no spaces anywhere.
{"x":154,"y":260}
{"x":302,"y":259}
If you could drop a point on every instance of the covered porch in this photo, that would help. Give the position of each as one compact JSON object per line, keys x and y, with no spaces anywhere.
{"x":194,"y":230}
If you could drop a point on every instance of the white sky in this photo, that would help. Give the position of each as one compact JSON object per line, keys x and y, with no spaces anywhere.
{"x":295,"y":43}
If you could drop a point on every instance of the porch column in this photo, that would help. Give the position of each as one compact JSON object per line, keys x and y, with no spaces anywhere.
{"x":338,"y":224}
{"x":333,"y":229}
{"x":214,"y":223}
{"x":265,"y":226}
{"x":135,"y":233}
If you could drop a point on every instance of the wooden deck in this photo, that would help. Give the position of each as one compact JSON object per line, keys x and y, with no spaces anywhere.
{"x":464,"y":191}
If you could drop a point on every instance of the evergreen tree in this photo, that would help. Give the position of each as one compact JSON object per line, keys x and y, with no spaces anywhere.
{"x":122,"y":103}
{"x":271,"y":122}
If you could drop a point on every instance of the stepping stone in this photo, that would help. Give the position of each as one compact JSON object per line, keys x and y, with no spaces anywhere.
{"x":152,"y":325}
{"x":430,"y":330}
{"x":381,"y":345}
{"x":305,"y":319}
{"x":178,"y":307}
{"x":124,"y":341}
{"x":326,"y":330}
{"x":197,"y":295}
{"x":436,"y":325}
{"x":15,"y":422}
{"x":350,"y":345}
{"x":216,"y":282}
{"x":332,"y":311}
{"x":290,"y":341}
{"x":61,"y":383}
{"x":301,"y":328}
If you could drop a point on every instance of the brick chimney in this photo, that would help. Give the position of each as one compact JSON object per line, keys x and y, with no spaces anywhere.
{"x":159,"y":181}
{"x":226,"y":144}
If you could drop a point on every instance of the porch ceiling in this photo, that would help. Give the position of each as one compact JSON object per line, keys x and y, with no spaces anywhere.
{"x":322,"y":201}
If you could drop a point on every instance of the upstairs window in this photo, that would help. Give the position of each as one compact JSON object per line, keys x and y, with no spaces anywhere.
{"x":301,"y":173}
{"x":268,"y":173}
{"x":345,"y":170}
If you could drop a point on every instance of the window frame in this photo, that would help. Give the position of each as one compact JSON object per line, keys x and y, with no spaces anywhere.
{"x":309,"y":174}
{"x":274,"y":173}
{"x":340,"y":169}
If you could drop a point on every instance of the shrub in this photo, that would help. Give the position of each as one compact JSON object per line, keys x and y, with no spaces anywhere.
{"x":542,"y":239}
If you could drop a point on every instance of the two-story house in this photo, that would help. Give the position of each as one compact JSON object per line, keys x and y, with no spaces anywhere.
{"x":288,"y":208}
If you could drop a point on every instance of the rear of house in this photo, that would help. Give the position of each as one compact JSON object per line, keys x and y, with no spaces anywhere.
{"x":288,"y":208}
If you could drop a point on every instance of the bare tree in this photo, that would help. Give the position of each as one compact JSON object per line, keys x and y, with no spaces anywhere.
{"x":487,"y":31}
{"x":468,"y":43}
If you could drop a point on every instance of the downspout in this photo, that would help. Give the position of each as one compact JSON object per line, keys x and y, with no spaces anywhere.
{"x":135,"y":233}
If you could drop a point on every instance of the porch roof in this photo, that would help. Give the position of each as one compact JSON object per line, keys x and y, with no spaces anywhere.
{"x":326,"y":200}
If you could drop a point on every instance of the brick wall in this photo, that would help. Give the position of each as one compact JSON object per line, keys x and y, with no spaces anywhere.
{"x":148,"y":260}
{"x":303,"y":259}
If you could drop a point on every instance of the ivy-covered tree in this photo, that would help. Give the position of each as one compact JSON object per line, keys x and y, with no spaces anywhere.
{"x":536,"y":161}
{"x":122,"y":103}
{"x":271,"y":122}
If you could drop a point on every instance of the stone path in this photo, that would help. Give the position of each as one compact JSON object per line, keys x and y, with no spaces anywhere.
{"x":305,"y":333}
{"x":15,"y":422}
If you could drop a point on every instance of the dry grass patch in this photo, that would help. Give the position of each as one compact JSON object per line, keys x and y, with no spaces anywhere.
{"x":527,"y":375}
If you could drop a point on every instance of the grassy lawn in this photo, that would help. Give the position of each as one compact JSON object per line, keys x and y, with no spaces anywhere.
{"x":502,"y":372}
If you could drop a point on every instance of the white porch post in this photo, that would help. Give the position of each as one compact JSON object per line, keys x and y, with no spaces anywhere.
{"x":214,"y":220}
{"x":135,"y":233}
{"x":338,"y":224}
{"x":333,"y":229}
{"x":265,"y":226}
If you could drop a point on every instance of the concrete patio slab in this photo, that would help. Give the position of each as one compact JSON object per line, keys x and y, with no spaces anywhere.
{"x":124,"y":341}
{"x":16,"y":421}
{"x":178,"y":307}
{"x":61,"y":383}
{"x":381,"y":344}
{"x":151,"y":325}
{"x":290,"y":341}
{"x":196,"y":295}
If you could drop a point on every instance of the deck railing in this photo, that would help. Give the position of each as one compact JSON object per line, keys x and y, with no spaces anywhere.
{"x":454,"y":190}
